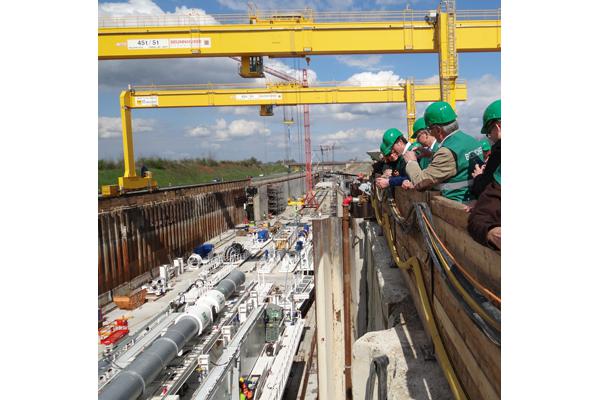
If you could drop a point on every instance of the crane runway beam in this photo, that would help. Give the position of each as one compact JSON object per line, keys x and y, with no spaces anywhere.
{"x":291,"y":39}
{"x":283,"y":95}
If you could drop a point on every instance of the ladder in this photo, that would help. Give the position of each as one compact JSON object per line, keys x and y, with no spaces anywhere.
{"x":451,"y":66}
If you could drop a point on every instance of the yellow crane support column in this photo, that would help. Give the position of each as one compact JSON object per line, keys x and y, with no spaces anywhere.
{"x":448,"y":60}
{"x":129,"y":181}
{"x":280,"y":94}
{"x":410,"y":107}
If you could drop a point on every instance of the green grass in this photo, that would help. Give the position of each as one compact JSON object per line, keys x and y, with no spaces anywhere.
{"x":188,"y":172}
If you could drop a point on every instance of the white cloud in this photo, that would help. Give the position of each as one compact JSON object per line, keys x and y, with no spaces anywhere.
{"x":176,"y":71}
{"x":110,"y":127}
{"x":351,"y":136}
{"x":221,"y":130}
{"x":131,"y":7}
{"x":374,"y":134}
{"x":344,"y":116}
{"x":340,"y":135}
{"x":365,"y":62}
{"x":380,"y":78}
{"x":198,"y":131}
{"x":242,"y":5}
{"x":148,"y":8}
{"x":480,"y":93}
{"x":120,"y":73}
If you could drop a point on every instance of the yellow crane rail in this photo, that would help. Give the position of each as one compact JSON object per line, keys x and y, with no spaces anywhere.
{"x":289,"y":35}
{"x":274,"y":94}
{"x":281,"y":95}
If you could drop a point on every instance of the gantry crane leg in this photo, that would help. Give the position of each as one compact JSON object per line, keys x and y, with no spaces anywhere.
{"x":130,"y":180}
{"x":448,"y":59}
{"x":411,"y":111}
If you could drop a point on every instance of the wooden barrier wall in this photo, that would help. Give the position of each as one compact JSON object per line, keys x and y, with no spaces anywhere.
{"x":474,"y":357}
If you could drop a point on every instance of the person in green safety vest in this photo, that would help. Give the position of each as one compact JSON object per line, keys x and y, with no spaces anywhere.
{"x":485,"y":218}
{"x":452,"y":164}
{"x":429,"y":143}
{"x":393,"y":144}
{"x":491,"y":127}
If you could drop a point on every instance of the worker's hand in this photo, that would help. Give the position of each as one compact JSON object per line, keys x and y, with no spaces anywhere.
{"x":425,"y":152}
{"x":410,"y":156}
{"x":407,"y":185}
{"x":382,"y":183}
{"x":493,"y":236}
{"x":477,"y":171}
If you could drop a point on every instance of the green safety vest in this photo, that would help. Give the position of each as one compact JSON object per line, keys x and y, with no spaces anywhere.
{"x":425,"y":161}
{"x":466,"y":150}
{"x":497,"y":175}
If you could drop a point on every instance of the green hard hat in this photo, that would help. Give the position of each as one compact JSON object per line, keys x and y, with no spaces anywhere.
{"x":414,"y":145}
{"x":491,"y":113}
{"x":439,"y":113}
{"x":382,"y":149}
{"x":419,"y":125}
{"x":389,"y":138}
{"x":485,"y":145}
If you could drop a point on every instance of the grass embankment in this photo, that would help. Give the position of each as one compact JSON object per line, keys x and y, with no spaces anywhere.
{"x":188,"y":172}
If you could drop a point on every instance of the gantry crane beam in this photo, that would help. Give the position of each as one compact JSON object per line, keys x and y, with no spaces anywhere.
{"x":278,"y":94}
{"x":281,"y":95}
{"x":291,"y":39}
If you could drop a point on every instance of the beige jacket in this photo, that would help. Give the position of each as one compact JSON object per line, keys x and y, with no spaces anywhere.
{"x":442,"y":168}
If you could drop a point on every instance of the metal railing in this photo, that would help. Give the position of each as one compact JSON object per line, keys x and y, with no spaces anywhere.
{"x":243,"y":85}
{"x":266,"y":16}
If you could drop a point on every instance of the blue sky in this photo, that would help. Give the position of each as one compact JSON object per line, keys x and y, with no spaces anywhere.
{"x":238,"y":133}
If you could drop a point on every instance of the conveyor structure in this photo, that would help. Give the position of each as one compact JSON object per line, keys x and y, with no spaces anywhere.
{"x":132,"y":381}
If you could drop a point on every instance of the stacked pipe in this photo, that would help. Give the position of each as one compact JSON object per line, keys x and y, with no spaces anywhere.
{"x":131,"y":382}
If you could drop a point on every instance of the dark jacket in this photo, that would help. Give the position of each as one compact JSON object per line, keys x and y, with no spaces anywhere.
{"x":486,"y":214}
{"x":480,"y":182}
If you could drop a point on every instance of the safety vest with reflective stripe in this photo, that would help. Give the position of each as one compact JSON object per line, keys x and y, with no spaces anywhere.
{"x":425,"y":161}
{"x":466,"y":151}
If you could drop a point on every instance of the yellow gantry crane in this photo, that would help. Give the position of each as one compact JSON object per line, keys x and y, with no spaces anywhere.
{"x":281,"y":94}
{"x":445,"y":31}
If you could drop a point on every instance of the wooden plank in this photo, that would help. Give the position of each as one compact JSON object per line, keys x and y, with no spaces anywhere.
{"x":476,"y":385}
{"x":486,"y":353}
{"x":482,"y":263}
{"x":450,"y":211}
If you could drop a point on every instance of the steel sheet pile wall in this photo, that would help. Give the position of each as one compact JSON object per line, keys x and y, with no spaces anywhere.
{"x":139,"y":233}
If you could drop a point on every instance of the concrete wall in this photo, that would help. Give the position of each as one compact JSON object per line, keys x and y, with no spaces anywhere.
{"x":327,"y":234}
{"x":260,"y":201}
{"x":290,"y":188}
{"x":386,"y":323}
